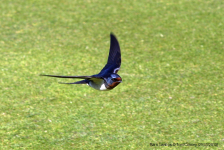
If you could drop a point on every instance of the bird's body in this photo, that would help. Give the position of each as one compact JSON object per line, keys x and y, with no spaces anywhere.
{"x":98,"y":84}
{"x":108,"y":78}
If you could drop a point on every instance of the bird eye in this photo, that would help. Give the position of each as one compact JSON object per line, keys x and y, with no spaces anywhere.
{"x":114,"y":79}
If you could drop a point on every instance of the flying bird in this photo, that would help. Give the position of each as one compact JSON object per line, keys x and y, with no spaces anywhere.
{"x":108,"y":78}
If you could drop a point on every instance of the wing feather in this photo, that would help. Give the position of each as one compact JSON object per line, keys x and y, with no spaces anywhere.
{"x":59,"y":76}
{"x":114,"y":58}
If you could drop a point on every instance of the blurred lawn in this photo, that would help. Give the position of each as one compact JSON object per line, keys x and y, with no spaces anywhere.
{"x":172,"y":70}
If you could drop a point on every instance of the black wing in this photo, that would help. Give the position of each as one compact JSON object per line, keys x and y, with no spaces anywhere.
{"x":87,"y":78}
{"x":80,"y":77}
{"x":114,"y":58}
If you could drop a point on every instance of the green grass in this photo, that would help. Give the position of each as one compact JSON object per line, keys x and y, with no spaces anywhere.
{"x":172,"y":70}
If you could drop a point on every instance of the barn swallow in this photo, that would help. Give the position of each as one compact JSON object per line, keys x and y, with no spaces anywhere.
{"x":108,"y":78}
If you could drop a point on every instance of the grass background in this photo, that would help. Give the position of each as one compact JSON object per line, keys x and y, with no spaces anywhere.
{"x":172,"y":70}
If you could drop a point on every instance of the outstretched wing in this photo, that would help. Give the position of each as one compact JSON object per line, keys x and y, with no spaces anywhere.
{"x":87,"y":78}
{"x":57,"y":76}
{"x":114,"y":58}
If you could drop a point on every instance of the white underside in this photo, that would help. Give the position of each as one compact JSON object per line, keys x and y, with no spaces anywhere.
{"x":98,"y":84}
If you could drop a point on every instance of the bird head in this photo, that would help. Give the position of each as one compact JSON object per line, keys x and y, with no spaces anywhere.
{"x":113,"y":80}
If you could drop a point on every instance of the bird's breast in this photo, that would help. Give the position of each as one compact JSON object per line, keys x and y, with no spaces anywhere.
{"x":98,"y":85}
